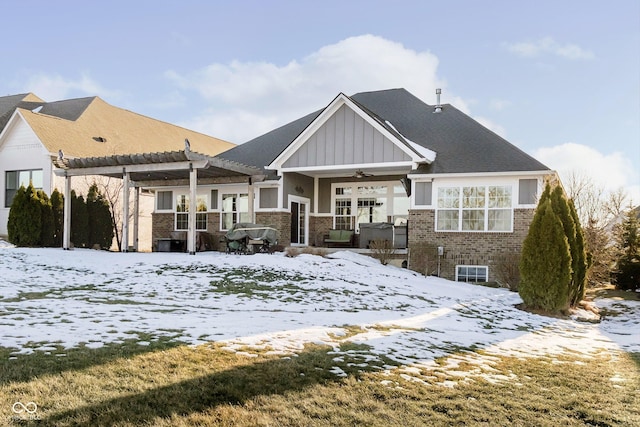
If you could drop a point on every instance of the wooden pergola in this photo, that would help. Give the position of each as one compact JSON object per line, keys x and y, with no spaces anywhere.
{"x":147,"y":170}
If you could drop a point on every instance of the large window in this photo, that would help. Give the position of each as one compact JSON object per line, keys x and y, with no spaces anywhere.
{"x":372,"y":204}
{"x":478,"y":208}
{"x":182,"y":212}
{"x":235,"y":209}
{"x":355,"y":204}
{"x":15,"y":179}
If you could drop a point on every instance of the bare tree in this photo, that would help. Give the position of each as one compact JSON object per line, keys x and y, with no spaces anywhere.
{"x":596,"y":209}
{"x":587,"y":197}
{"x":617,"y":203}
{"x":111,"y":189}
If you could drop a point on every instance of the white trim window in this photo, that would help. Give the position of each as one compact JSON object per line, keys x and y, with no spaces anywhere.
{"x":182,"y":212}
{"x":472,"y":273}
{"x":477,"y":208}
{"x":164,"y":200}
{"x":16,"y":179}
{"x":358,"y":203}
{"x":342,"y":208}
{"x":234,"y":209}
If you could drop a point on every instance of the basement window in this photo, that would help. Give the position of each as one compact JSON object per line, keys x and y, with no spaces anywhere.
{"x":472,"y":273}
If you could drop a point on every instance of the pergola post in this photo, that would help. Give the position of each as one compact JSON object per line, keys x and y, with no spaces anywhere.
{"x":193,"y":206}
{"x":125,"y":211}
{"x":251,"y":197}
{"x":66,"y":227}
{"x":136,"y":219}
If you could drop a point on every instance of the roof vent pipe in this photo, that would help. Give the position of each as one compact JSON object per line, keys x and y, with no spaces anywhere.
{"x":438,"y":105}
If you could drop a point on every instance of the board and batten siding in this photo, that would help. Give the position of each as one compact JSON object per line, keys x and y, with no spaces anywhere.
{"x":346,"y":138}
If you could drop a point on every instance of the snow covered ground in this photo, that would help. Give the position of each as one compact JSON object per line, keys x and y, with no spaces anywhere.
{"x":52,"y":297}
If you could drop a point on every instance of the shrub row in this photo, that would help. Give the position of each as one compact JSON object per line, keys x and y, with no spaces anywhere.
{"x":37,"y":220}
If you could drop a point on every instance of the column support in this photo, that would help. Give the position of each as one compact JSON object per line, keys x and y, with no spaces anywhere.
{"x":125,"y":211}
{"x":66,"y":227}
{"x":136,"y":217}
{"x":193,"y":206}
{"x":251,"y":201}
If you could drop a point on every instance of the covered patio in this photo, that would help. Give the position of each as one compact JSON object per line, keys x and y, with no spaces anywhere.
{"x":183,"y":168}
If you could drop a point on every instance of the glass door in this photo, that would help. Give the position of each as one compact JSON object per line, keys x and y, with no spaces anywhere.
{"x":299,"y":222}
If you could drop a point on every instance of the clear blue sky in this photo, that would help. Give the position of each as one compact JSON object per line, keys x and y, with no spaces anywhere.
{"x":560,"y":79}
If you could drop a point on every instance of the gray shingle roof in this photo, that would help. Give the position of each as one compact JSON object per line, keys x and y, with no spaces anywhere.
{"x":8,"y":105}
{"x":462,"y":144}
{"x":68,"y":109}
{"x":264,"y":149}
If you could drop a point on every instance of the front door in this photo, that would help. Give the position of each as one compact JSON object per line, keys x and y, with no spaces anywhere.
{"x":299,"y":221}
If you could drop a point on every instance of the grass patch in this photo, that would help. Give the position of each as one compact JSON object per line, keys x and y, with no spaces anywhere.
{"x":161,"y":385}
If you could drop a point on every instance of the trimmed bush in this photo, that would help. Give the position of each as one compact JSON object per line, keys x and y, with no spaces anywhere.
{"x":79,"y":221}
{"x":47,"y":229}
{"x":580,"y":264}
{"x":24,"y":225}
{"x":57,"y":213}
{"x":575,"y":237}
{"x":545,"y":265}
{"x":100,"y":228}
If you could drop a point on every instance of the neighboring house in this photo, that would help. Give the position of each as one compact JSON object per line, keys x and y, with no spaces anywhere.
{"x":33,"y":132}
{"x":428,"y":175}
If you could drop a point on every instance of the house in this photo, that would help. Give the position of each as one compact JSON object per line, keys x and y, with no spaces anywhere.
{"x":33,"y":132}
{"x":451,"y":195}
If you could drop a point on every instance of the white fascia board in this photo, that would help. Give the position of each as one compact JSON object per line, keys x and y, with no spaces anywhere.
{"x":330,"y":168}
{"x":428,"y":156}
{"x":322,"y":118}
{"x":434,"y":176}
{"x":14,"y":118}
{"x":267,"y":184}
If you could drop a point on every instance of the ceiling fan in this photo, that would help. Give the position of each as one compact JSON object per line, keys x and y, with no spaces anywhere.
{"x":360,"y":174}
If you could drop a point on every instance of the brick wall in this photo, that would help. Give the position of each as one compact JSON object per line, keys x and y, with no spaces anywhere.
{"x":162,"y":224}
{"x":461,"y":248}
{"x":213,"y":228}
{"x":319,"y":226}
{"x":280,"y":221}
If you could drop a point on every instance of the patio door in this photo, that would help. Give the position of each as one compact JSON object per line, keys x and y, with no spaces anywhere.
{"x":299,"y":221}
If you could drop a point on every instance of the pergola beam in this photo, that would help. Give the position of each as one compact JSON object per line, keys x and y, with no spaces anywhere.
{"x":117,"y":169}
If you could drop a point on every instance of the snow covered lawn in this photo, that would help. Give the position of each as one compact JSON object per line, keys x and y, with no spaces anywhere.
{"x":50,"y":297}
